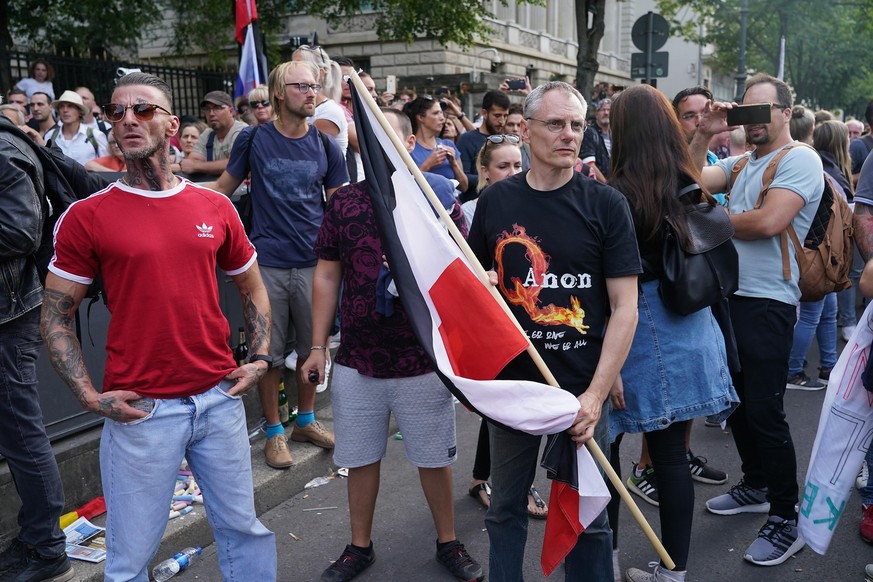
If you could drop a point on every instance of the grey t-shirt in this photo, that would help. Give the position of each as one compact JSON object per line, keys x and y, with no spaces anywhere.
{"x":220,"y":147}
{"x":761,"y":260}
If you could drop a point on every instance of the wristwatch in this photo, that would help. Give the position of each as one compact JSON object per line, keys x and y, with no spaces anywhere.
{"x":262,"y":358}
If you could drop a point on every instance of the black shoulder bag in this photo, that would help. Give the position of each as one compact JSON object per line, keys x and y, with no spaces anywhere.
{"x":704,"y":269}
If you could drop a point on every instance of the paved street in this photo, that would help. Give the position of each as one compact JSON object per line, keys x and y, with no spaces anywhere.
{"x":404,"y":535}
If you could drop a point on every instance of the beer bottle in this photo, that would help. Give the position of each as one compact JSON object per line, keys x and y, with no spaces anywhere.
{"x":241,"y":351}
{"x":284,"y":416}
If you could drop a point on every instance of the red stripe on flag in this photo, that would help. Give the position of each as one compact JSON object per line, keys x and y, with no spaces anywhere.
{"x":562,"y":526}
{"x":480,"y":340}
{"x":243,"y":18}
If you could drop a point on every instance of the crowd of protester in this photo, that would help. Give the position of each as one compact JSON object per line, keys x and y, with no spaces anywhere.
{"x":590,"y":182}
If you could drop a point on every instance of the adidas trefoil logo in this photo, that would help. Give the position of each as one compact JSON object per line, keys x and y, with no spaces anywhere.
{"x":205,"y":231}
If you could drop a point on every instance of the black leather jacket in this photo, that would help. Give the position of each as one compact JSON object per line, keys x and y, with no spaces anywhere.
{"x":22,"y":215}
{"x":30,"y":176}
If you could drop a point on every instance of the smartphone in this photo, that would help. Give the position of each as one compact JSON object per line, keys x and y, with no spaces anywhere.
{"x":442,"y":91}
{"x":515,"y":84}
{"x":391,"y":84}
{"x":758,"y":113}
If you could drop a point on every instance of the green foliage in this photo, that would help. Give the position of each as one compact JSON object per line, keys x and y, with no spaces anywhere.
{"x":828,"y":44}
{"x":83,"y":25}
{"x":459,"y":21}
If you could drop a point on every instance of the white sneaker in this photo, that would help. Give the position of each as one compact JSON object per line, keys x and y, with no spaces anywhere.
{"x":846,"y":332}
{"x":291,"y":361}
{"x":863,"y":476}
{"x":323,"y":386}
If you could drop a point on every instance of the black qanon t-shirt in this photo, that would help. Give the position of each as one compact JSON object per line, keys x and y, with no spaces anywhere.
{"x":553,"y":252}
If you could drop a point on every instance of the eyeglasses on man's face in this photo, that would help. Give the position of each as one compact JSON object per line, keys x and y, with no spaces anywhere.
{"x":305,"y":88}
{"x":558,"y":125}
{"x":114,"y":112}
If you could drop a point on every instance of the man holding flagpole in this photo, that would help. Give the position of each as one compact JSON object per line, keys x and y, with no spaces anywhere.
{"x":380,"y":369}
{"x":566,"y":260}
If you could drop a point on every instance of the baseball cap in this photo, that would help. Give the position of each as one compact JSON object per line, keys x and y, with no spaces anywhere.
{"x":217,"y":98}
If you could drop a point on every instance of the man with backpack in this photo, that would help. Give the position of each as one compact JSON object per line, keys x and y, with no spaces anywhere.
{"x":293,"y":168}
{"x":212,"y":151}
{"x":763,"y":310}
{"x":76,"y":140}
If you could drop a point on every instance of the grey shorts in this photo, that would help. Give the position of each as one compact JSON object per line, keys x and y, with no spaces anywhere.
{"x":290,"y":292}
{"x":362,"y":406}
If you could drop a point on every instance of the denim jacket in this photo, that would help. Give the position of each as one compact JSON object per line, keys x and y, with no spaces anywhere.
{"x":22,"y":216}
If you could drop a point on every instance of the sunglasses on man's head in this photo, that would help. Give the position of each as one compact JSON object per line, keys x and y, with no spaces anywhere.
{"x":499,"y":139}
{"x":114,"y":112}
{"x":256,"y":104}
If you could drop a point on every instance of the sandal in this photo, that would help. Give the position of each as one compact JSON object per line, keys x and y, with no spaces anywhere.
{"x":476,"y":493}
{"x":541,"y":511}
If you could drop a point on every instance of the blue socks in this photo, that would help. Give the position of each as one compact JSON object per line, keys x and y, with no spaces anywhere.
{"x":274,"y":429}
{"x":304,"y":418}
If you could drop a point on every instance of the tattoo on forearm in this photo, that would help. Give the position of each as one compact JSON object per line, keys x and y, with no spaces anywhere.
{"x":62,"y":345}
{"x":863,"y":224}
{"x":257,"y":324}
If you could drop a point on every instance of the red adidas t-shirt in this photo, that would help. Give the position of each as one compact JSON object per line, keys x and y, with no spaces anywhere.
{"x":157,"y":253}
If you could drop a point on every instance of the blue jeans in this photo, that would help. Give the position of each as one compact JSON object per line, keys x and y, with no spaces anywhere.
{"x":139,"y":461}
{"x":513,"y":467}
{"x":23,"y":440}
{"x":818,"y":318}
{"x":847,"y":314}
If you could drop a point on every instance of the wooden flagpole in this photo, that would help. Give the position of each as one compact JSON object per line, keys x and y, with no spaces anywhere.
{"x":592,"y":445}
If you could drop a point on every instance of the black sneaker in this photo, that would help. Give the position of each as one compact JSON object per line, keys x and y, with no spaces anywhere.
{"x":645,"y":485}
{"x":39,"y":569}
{"x":704,"y":474}
{"x":455,"y":558}
{"x":824,"y":375}
{"x":801,"y":381}
{"x":351,"y":563}
{"x":14,"y":556}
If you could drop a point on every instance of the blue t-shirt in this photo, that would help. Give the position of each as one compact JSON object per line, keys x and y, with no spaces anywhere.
{"x":761,"y":260}
{"x":421,"y":153}
{"x":288,"y":179}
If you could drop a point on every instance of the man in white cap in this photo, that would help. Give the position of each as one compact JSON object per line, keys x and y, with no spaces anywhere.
{"x":77,"y":141}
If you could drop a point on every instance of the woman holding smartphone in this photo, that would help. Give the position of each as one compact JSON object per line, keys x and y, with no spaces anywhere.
{"x":431,"y":153}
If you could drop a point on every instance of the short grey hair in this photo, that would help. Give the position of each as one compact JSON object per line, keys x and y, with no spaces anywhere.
{"x":535,"y":98}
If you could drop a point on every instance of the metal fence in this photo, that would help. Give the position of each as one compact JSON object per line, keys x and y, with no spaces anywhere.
{"x":98,"y":74}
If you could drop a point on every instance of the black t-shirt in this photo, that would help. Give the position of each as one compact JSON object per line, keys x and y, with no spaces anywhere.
{"x":553,"y":252}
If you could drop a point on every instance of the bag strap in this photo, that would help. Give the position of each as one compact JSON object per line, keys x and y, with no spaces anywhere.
{"x":688,"y":190}
{"x":89,"y":137}
{"x":210,"y":145}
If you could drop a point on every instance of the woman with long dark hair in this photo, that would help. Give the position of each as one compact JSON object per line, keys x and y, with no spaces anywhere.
{"x":677,"y":367}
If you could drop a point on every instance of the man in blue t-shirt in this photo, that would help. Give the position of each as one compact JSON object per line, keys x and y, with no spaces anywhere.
{"x":293,"y":170}
{"x":495,"y":107}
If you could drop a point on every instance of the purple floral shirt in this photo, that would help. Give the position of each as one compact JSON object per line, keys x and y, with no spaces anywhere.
{"x":374,"y":345}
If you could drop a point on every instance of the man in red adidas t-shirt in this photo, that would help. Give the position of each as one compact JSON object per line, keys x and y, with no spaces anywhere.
{"x":171,"y":388}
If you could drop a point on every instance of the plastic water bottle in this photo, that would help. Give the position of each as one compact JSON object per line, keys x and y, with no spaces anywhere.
{"x":169,"y":568}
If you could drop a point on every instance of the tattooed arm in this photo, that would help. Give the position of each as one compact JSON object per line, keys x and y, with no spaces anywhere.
{"x":863,"y":224}
{"x":62,"y":299}
{"x":258,"y":319}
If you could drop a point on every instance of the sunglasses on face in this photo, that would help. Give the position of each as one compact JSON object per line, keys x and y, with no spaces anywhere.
{"x":256,"y":104}
{"x":498,"y":139}
{"x":142,"y":111}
